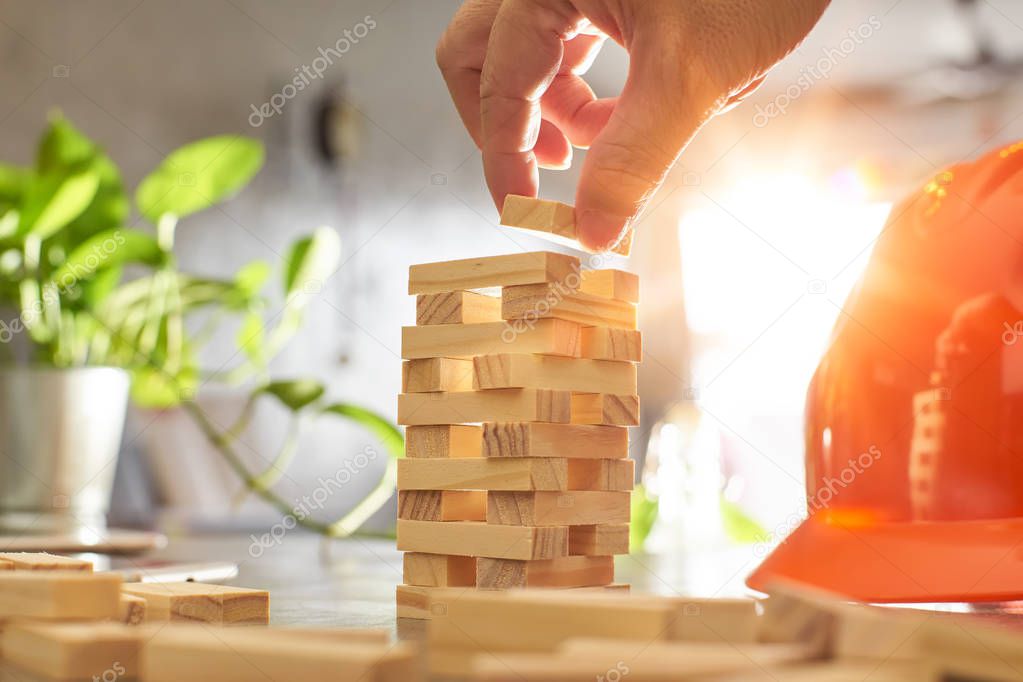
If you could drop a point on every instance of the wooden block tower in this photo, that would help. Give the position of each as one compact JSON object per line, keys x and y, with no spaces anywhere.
{"x":517,"y":405}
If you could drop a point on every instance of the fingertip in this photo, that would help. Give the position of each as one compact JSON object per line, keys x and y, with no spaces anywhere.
{"x":599,"y":230}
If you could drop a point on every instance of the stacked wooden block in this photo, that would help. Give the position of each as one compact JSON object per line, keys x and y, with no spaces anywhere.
{"x":517,"y":402}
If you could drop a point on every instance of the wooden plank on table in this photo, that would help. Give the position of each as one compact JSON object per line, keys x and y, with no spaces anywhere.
{"x":428,"y":375}
{"x":605,"y":409}
{"x":718,"y":620}
{"x":546,"y":336}
{"x":504,"y":404}
{"x":492,"y":271}
{"x":443,"y":440}
{"x":599,"y":539}
{"x":472,"y":538}
{"x":542,"y":301}
{"x":572,"y":508}
{"x":524,"y":370}
{"x":73,"y":651}
{"x":442,"y":505}
{"x":131,"y":610}
{"x":526,"y":439}
{"x":601,"y":474}
{"x":457,"y":307}
{"x":569,"y":571}
{"x":610,"y":283}
{"x":42,"y":561}
{"x":203,"y":603}
{"x":551,"y":217}
{"x":541,"y":473}
{"x":413,"y":601}
{"x":604,"y":343}
{"x":438,"y":570}
{"x":59,"y":595}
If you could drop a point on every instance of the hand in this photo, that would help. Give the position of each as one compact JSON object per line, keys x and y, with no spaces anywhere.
{"x":514,"y":69}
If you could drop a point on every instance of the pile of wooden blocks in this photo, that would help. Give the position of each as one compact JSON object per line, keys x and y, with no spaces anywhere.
{"x":519,"y":383}
{"x":59,"y":620}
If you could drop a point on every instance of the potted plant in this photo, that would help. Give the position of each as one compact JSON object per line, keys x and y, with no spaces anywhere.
{"x":99,"y":313}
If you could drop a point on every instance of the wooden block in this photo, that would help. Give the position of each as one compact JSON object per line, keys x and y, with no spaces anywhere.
{"x":546,"y":336}
{"x":413,"y":601}
{"x":541,"y":301}
{"x":505,"y":404}
{"x":457,"y":307}
{"x":6,"y":565}
{"x":131,"y":610}
{"x":471,"y":538}
{"x":443,"y":440}
{"x":438,"y":570}
{"x":61,"y":595}
{"x":599,"y":539}
{"x":601,"y":474}
{"x":493,"y":271}
{"x":436,"y":374}
{"x":545,"y":473}
{"x":41,"y":561}
{"x":604,"y":408}
{"x":967,"y":648}
{"x":603,"y":343}
{"x":730,"y":621}
{"x":799,"y":613}
{"x":525,"y":439}
{"x":73,"y":651}
{"x":203,"y":603}
{"x":558,"y":508}
{"x":616,"y":284}
{"x":520,"y":370}
{"x":442,"y":505}
{"x":569,"y":571}
{"x":551,"y":217}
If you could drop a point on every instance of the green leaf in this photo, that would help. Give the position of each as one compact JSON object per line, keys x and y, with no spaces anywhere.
{"x":54,"y":201}
{"x":154,"y":388}
{"x":62,"y":146}
{"x":13,"y":183}
{"x":296,"y":394}
{"x":644,"y":514}
{"x":97,"y":289}
{"x":199,"y":175}
{"x":386,"y":432}
{"x":251,"y":339}
{"x":739,"y":526}
{"x":251,"y":277}
{"x":107,"y":249}
{"x":311,"y":261}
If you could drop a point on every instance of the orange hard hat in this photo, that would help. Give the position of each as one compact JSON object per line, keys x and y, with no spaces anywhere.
{"x":914,"y":418}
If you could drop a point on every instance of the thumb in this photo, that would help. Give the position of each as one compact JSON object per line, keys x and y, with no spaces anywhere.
{"x":658,"y":112}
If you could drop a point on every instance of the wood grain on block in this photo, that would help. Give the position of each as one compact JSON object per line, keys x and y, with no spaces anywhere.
{"x":573,"y":508}
{"x":457,"y":307}
{"x":599,"y":539}
{"x":245,"y":654}
{"x":41,"y":561}
{"x":436,"y":374}
{"x":547,"y":336}
{"x":6,"y":565}
{"x":525,"y":439}
{"x":443,"y":440}
{"x":492,"y":271}
{"x":480,"y":474}
{"x":605,"y":408}
{"x":73,"y":651}
{"x":798,"y":613}
{"x":438,"y":570}
{"x":551,"y":217}
{"x":503,"y":404}
{"x":131,"y":610}
{"x":601,"y":474}
{"x":203,"y":603}
{"x":62,"y":595}
{"x":413,"y":601}
{"x":717,"y":620}
{"x":523,"y":370}
{"x":541,"y":301}
{"x":569,"y":571}
{"x":604,"y":343}
{"x":442,"y":505}
{"x":616,"y":284}
{"x":472,"y":538}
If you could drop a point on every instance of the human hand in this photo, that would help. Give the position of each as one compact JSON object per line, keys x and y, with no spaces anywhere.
{"x":514,"y":69}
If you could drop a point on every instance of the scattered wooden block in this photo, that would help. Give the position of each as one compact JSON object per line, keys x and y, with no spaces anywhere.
{"x":442,"y":505}
{"x":73,"y":651}
{"x":443,"y":440}
{"x":541,"y":301}
{"x":471,"y":538}
{"x":506,"y":404}
{"x":615,"y":284}
{"x":968,"y":648}
{"x":60,"y":595}
{"x":457,"y":307}
{"x":599,"y":539}
{"x":429,"y":375}
{"x":601,"y":474}
{"x":525,"y":439}
{"x":414,"y":601}
{"x":569,"y":571}
{"x":41,"y":561}
{"x":552,"y":217}
{"x":203,"y":603}
{"x":606,"y":409}
{"x":6,"y":565}
{"x":521,"y":370}
{"x":572,"y":508}
{"x":439,"y":570}
{"x":603,"y":343}
{"x":131,"y":610}
{"x":493,"y":271}
{"x":546,"y":336}
{"x":731,"y":621}
{"x":480,"y":474}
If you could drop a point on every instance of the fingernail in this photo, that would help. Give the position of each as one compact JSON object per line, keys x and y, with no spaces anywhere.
{"x":598,"y":231}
